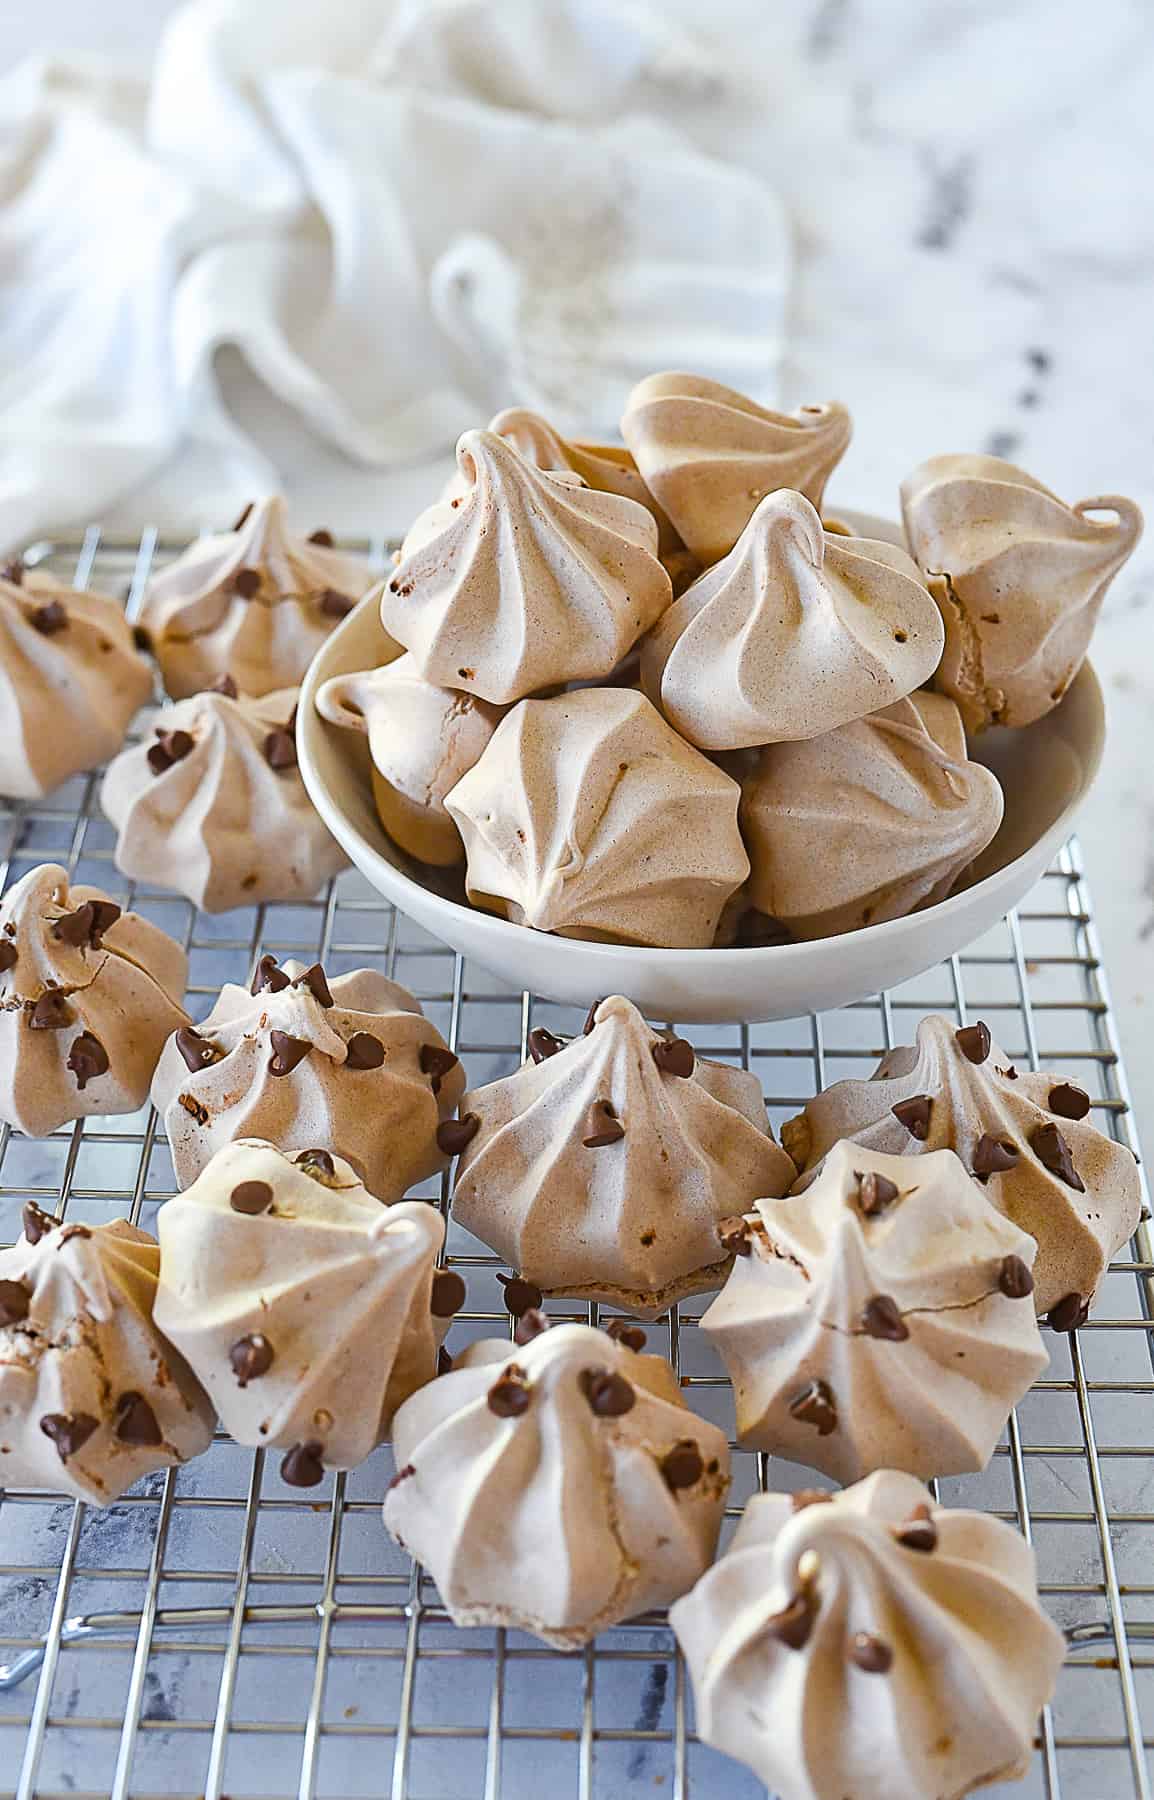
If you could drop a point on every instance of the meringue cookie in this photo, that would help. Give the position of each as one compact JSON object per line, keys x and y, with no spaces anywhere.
{"x":214,"y":808}
{"x":1020,"y":580}
{"x":88,"y":996}
{"x":422,"y":739}
{"x":884,"y":1319}
{"x":64,"y":656}
{"x":528,"y":580}
{"x":91,"y":1396}
{"x":556,"y":1487}
{"x":1026,"y":1136}
{"x":588,"y":816}
{"x":870,"y":1645}
{"x":796,"y":632}
{"x":308,"y":1310}
{"x":352,"y":1065}
{"x":602,"y":1167}
{"x":255,"y":603}
{"x":710,"y":454}
{"x":867,"y":823}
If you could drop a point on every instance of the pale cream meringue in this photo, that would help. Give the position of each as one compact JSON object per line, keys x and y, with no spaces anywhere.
{"x":795,"y":632}
{"x":88,"y":996}
{"x":213,"y":805}
{"x":870,"y":1645}
{"x":527,"y":580}
{"x":1026,"y":1136}
{"x":557,"y":1486}
{"x":1019,"y":577}
{"x":602,"y":1167}
{"x":308,"y":1310}
{"x":710,"y":455}
{"x":91,"y":1395}
{"x":868,"y":822}
{"x":256,"y":603}
{"x":587,"y":815}
{"x":352,"y":1065}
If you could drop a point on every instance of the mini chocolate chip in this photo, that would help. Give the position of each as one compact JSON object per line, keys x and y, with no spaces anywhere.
{"x":590,"y":1019}
{"x":809,"y":1497}
{"x":197,"y":1052}
{"x":520,"y":1296}
{"x":170,"y":748}
{"x":870,"y":1654}
{"x":675,"y":1056}
{"x":224,"y":684}
{"x":316,"y":1159}
{"x":335,"y":605}
{"x":1015,"y":1278}
{"x":455,"y":1135}
{"x":364,"y":1051}
{"x":13,"y":571}
{"x":602,"y":1126}
{"x":37,"y":1223}
{"x":914,"y":1114}
{"x":1010,"y":1074}
{"x":51,"y":1012}
{"x":919,"y":1531}
{"x":322,"y":537}
{"x":735,"y":1235}
{"x":287,"y":1052}
{"x":15,"y":1299}
{"x":436,"y":1061}
{"x":1053,"y":1152}
{"x":1068,"y":1313}
{"x":1068,"y":1101}
{"x":992,"y":1156}
{"x":251,"y":1198}
{"x":243,"y":517}
{"x":881,"y":1318}
{"x":683,"y":1466}
{"x":280,"y":751}
{"x":974,"y":1042}
{"x":316,"y":981}
{"x":87,"y":1059}
{"x":87,"y":924}
{"x":542,"y":1044}
{"x":448,"y":1295}
{"x":509,"y":1396}
{"x":246,"y":583}
{"x":268,"y":975}
{"x":623,"y":1331}
{"x":68,"y":1431}
{"x":530,"y":1325}
{"x":250,"y":1357}
{"x":875,"y":1193}
{"x":48,"y":619}
{"x":9,"y":956}
{"x":794,"y":1623}
{"x":302,"y":1467}
{"x":136,"y":1423}
{"x":609,"y":1394}
{"x":816,"y":1406}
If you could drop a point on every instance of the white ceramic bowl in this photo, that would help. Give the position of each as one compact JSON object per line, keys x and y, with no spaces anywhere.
{"x":1046,"y":772}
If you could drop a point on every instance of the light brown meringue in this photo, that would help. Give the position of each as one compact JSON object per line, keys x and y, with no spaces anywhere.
{"x":527,"y":580}
{"x":1019,"y":577}
{"x":867,"y":823}
{"x":710,"y":454}
{"x":795,"y":632}
{"x":588,"y":816}
{"x":255,"y":603}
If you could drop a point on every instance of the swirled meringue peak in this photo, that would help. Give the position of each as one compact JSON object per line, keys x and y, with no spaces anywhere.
{"x":1026,"y":1136}
{"x":558,"y":1486}
{"x":308,"y":1310}
{"x":212,"y":805}
{"x":67,"y":659}
{"x":602,"y":1168}
{"x":588,"y":816}
{"x":795,"y":632}
{"x":91,"y":1395}
{"x":867,"y":823}
{"x":256,"y":603}
{"x":88,"y":996}
{"x":882,"y":1319}
{"x":527,"y":580}
{"x":352,"y":1064}
{"x":1019,"y":577}
{"x":870,"y":1645}
{"x":710,"y":455}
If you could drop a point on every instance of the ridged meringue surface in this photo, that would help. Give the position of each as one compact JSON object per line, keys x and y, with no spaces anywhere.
{"x":526,"y":580}
{"x":633,"y":1220}
{"x":870,"y":1645}
{"x":867,"y":822}
{"x":588,"y":816}
{"x":91,"y":1395}
{"x":304,"y":1305}
{"x":351,"y":1065}
{"x":546,"y":1486}
{"x":795,"y":632}
{"x":88,"y":996}
{"x":878,"y":1323}
{"x":213,"y":805}
{"x":710,"y":454}
{"x":1058,"y":1178}
{"x":1020,"y":580}
{"x":255,"y":603}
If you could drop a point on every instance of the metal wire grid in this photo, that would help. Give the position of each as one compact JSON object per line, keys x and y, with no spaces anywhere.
{"x":214,"y":1634}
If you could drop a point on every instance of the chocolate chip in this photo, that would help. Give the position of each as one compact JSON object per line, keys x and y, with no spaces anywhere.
{"x":914,"y":1114}
{"x":919,"y":1531}
{"x":623,"y":1331}
{"x":1010,"y":1074}
{"x":8,"y":956}
{"x":136,"y":1423}
{"x":870,"y":1654}
{"x":324,"y":538}
{"x":251,"y":1198}
{"x":1068,"y":1101}
{"x":530,"y":1325}
{"x":816,"y":1406}
{"x":602,"y":1126}
{"x":37,"y":1223}
{"x":87,"y":1059}
{"x":51,"y":1012}
{"x":48,"y":619}
{"x":520,"y":1296}
{"x":509,"y":1396}
{"x":224,"y":684}
{"x":675,"y":1056}
{"x":1053,"y":1152}
{"x":13,"y":571}
{"x":197,"y":1052}
{"x":455,"y":1135}
{"x":793,"y":1625}
{"x":992,"y":1156}
{"x":809,"y":1497}
{"x":68,"y":1232}
{"x":68,"y":1431}
{"x":316,"y":981}
{"x":302,"y":1467}
{"x":880,"y":1318}
{"x":436,"y":1062}
{"x":280,"y":751}
{"x":609,"y":1394}
{"x":87,"y":924}
{"x":448,"y":1295}
{"x":1068,"y":1313}
{"x":683,"y":1466}
{"x":15,"y":1300}
{"x":364,"y":1051}
{"x":196,"y":1109}
{"x":141,"y":636}
{"x":444,"y":1362}
{"x":735,"y":1235}
{"x":1015,"y":1278}
{"x":243,"y":520}
{"x":287,"y":1052}
{"x":246,"y":583}
{"x":974,"y":1042}
{"x":875,"y":1193}
{"x":405,"y":1474}
{"x":590,"y":1019}
{"x":170,"y":748}
{"x":335,"y":605}
{"x":269,"y":975}
{"x":318,"y":1160}
{"x":250,"y":1357}
{"x":543,"y":1044}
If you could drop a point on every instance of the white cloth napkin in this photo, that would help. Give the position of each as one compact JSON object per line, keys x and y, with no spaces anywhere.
{"x":393,"y":217}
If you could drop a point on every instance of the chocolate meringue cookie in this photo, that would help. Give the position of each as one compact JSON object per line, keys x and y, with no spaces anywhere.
{"x":867,"y":823}
{"x":710,"y":454}
{"x":255,"y":603}
{"x":308,"y":1310}
{"x":1019,"y":577}
{"x":351,"y":1064}
{"x":588,"y":816}
{"x":870,"y":1644}
{"x":213,"y":805}
{"x":603,"y":1166}
{"x":422,"y":739}
{"x":1026,"y":1137}
{"x":88,"y":996}
{"x":71,"y":679}
{"x":882,"y":1319}
{"x":527,"y":580}
{"x":91,"y":1395}
{"x":556,"y":1487}
{"x":795,"y":632}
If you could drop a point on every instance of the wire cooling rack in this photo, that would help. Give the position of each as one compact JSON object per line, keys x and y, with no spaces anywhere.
{"x":215,"y":1635}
